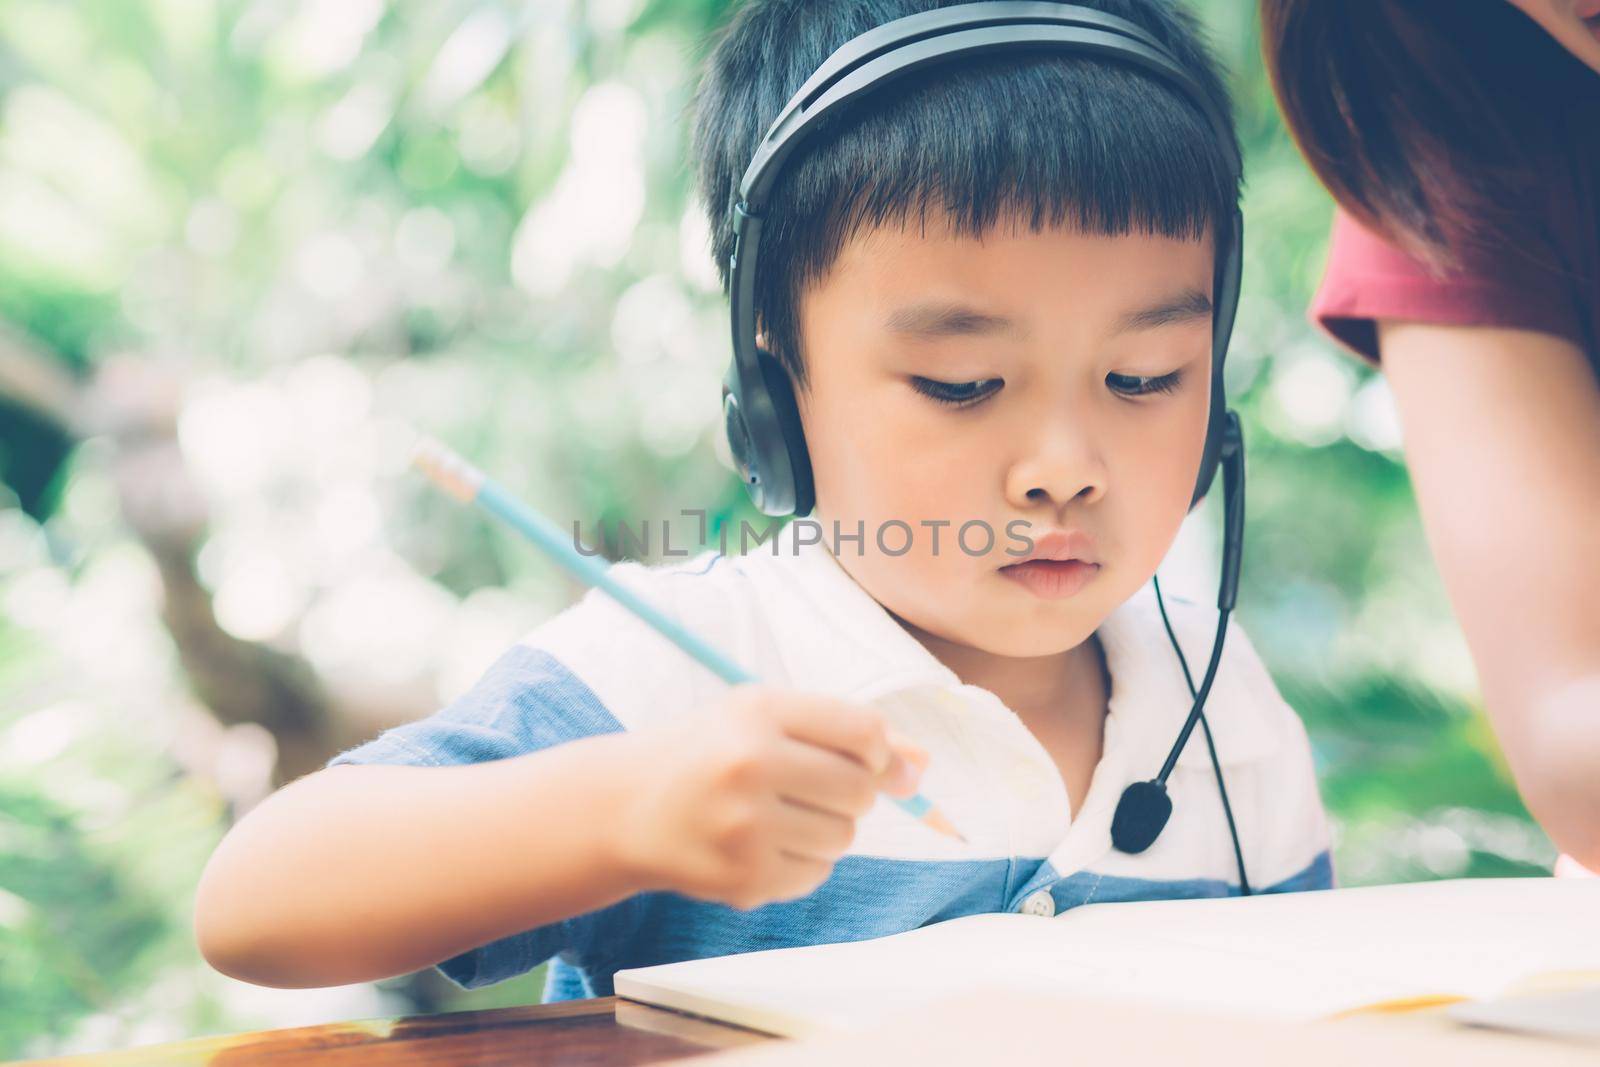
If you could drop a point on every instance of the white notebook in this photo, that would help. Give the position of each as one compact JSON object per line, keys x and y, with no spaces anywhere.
{"x":1293,"y":956}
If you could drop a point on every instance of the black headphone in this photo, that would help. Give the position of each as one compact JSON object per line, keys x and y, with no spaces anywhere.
{"x":760,"y":413}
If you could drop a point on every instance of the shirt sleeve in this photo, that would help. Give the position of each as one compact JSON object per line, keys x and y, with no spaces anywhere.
{"x":1284,"y":828}
{"x":1294,"y":822}
{"x":526,"y":701}
{"x":1368,"y":279}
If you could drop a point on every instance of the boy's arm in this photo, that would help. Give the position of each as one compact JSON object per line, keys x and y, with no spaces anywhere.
{"x":356,"y":873}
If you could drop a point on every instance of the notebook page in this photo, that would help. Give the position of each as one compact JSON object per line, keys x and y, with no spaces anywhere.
{"x":1292,"y":956}
{"x":1467,"y":937}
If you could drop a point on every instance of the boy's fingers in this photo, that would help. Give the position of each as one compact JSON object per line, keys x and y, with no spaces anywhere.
{"x":908,"y":749}
{"x":905,"y":768}
{"x":804,"y":873}
{"x":811,"y":832}
{"x":850,"y":729}
{"x":823,"y":778}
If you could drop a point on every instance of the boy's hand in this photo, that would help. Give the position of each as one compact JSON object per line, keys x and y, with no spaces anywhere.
{"x":754,"y":800}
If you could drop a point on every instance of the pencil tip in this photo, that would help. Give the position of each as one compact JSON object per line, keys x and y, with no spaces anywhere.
{"x":446,"y":469}
{"x":937,"y":820}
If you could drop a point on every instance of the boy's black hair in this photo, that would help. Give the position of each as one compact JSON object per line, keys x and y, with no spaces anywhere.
{"x":1058,"y":140}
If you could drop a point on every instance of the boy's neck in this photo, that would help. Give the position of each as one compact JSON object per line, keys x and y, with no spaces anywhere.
{"x":1074,"y":682}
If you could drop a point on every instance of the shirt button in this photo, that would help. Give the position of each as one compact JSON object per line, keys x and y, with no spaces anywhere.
{"x":1040,"y":903}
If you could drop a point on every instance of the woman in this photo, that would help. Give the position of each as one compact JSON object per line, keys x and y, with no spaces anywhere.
{"x":1462,"y":143}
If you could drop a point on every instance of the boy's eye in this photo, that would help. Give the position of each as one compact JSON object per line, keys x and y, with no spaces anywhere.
{"x":956,"y":394}
{"x":1135,"y":385}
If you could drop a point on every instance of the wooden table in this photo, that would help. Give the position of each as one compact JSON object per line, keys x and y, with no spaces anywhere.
{"x":604,"y":1032}
{"x":988,"y":1028}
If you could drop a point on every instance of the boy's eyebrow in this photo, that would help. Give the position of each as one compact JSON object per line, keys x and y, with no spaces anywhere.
{"x":932,"y":319}
{"x":1184,"y":307}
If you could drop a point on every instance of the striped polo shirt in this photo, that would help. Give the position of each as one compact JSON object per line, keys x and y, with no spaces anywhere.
{"x":793,"y":615}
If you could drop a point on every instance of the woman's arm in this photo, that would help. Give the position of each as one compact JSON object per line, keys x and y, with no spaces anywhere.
{"x":1502,"y":436}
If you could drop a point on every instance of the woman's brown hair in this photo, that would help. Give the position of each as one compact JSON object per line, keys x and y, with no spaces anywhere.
{"x":1426,"y":119}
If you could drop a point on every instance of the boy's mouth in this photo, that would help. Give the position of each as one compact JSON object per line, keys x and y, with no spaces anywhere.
{"x":1062,"y":563}
{"x":1052,"y":579}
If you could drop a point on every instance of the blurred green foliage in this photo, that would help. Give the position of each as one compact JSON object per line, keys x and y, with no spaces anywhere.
{"x":98,"y":839}
{"x":473,"y":217}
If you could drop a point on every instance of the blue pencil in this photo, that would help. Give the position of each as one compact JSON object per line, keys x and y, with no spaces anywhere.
{"x":470,"y":485}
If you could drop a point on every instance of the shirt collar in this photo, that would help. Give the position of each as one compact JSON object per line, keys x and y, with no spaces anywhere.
{"x":832,"y":632}
{"x":834,"y":635}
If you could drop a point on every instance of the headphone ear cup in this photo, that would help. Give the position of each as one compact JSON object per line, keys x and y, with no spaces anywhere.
{"x":785,"y":407}
{"x":738,"y":432}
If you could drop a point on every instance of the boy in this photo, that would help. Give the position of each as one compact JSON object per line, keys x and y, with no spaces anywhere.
{"x":993,"y":292}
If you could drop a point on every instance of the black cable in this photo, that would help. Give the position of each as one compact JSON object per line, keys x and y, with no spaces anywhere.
{"x":1216,"y":764}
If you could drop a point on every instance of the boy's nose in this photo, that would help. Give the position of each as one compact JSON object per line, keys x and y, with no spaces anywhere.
{"x":1062,"y":466}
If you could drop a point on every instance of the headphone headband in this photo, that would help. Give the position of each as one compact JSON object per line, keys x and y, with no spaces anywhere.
{"x":896,"y":48}
{"x":891,"y":35}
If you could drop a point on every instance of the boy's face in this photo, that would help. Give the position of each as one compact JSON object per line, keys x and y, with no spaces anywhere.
{"x":1073,"y":425}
